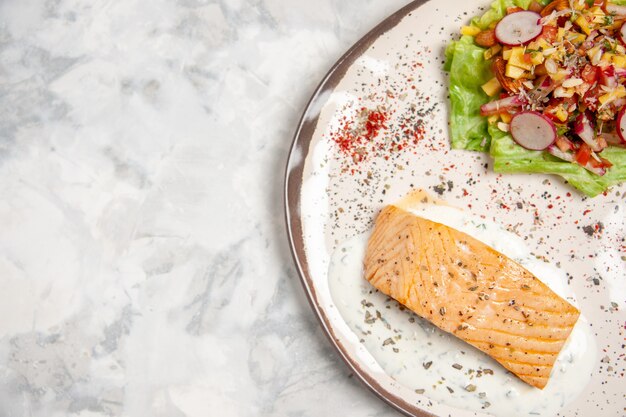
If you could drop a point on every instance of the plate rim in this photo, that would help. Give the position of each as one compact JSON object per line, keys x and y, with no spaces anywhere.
{"x":292,"y":191}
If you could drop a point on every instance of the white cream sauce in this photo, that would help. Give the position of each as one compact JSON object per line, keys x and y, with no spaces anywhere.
{"x":377,"y":320}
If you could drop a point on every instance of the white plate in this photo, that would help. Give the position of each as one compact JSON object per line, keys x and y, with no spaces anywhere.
{"x":398,"y":67}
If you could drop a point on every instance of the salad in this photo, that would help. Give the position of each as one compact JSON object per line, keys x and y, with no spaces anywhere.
{"x":541,"y":86}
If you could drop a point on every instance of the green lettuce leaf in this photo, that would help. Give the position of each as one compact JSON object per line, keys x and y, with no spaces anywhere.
{"x":509,"y":157}
{"x":468,"y":72}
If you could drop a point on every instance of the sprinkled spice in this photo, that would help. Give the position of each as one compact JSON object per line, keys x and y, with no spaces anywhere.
{"x":389,"y":341}
{"x":373,"y":134}
{"x":420,"y":391}
{"x":457,"y":366}
{"x":426,"y":365}
{"x":387,"y":118}
{"x":470,"y":388}
{"x":354,"y":137}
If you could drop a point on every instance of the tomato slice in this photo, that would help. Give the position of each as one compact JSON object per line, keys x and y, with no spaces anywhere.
{"x":550,"y":113}
{"x":602,"y":163}
{"x":564,"y":144}
{"x":549,"y":33}
{"x":589,"y":74}
{"x":583,"y":155}
{"x":606,"y":162}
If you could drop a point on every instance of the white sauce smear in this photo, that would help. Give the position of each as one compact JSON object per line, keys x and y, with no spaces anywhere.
{"x":421,"y":357}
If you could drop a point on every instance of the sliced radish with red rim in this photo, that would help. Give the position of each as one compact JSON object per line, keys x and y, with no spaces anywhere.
{"x":533,"y":130}
{"x":622,"y":33}
{"x":519,"y":28}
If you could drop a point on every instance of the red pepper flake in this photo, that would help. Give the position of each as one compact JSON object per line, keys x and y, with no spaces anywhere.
{"x":370,"y":135}
{"x":586,"y":212}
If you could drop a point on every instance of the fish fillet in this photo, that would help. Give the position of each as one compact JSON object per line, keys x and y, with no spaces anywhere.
{"x":469,"y":289}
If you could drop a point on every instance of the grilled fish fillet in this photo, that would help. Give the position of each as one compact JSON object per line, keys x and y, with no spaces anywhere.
{"x":468,"y":289}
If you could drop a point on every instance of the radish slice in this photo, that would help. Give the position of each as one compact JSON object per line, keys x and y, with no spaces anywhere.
{"x":498,"y":106}
{"x":533,"y":130}
{"x":621,"y":125}
{"x":622,"y":33}
{"x":585,"y":130}
{"x":519,"y":28}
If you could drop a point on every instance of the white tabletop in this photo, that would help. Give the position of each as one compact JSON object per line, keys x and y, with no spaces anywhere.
{"x":144,"y":266}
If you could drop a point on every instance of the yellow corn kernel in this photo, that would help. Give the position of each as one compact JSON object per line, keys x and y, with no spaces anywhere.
{"x":619,"y":92}
{"x":560,"y":35}
{"x":561,"y":114}
{"x":492,"y":87}
{"x":598,"y":14}
{"x":607,"y":57}
{"x":506,"y":117}
{"x":493,"y":119}
{"x":619,"y":61}
{"x":470,"y":30}
{"x":514,"y":71}
{"x":517,"y":58}
{"x":597,"y":11}
{"x":560,"y":75}
{"x":534,"y":45}
{"x":598,"y":19}
{"x":493,"y":51}
{"x":576,"y":38}
{"x":537,"y":58}
{"x":583,"y":24}
{"x":544,"y":44}
{"x":506,"y":53}
{"x":606,"y":98}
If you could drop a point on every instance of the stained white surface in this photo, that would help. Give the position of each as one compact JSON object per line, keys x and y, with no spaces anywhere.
{"x":144,"y":266}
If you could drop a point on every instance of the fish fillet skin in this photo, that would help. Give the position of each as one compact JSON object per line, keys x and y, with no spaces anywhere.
{"x":469,"y":289}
